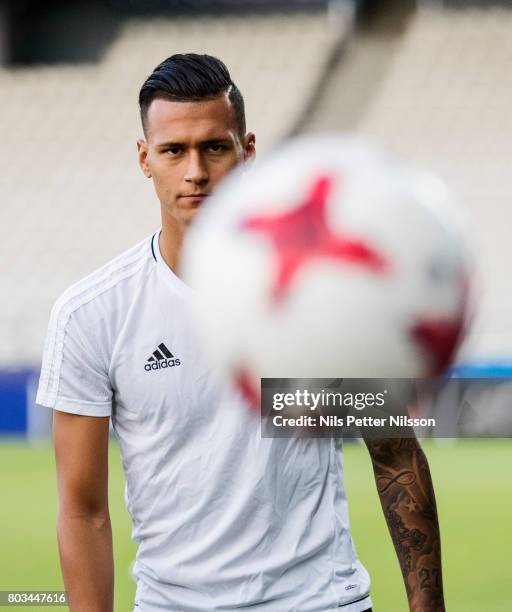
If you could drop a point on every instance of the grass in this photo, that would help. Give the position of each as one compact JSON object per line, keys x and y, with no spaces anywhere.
{"x":473,"y":484}
{"x":29,"y":555}
{"x":474,"y":493}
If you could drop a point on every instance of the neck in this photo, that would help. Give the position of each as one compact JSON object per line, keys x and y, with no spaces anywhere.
{"x":170,"y":242}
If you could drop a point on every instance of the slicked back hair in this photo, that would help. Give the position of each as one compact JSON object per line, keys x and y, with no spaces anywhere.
{"x":190,"y":77}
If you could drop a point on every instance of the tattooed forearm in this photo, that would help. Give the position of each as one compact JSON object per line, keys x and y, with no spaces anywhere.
{"x":407,"y":496}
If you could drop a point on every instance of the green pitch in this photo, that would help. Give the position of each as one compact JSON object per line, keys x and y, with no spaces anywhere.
{"x":473,"y":483}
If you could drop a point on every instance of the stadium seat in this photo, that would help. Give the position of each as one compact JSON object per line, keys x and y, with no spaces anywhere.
{"x":72,"y":194}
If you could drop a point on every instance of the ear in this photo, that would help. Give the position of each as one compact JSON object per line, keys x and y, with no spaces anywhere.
{"x":249,"y":147}
{"x":142,"y":148}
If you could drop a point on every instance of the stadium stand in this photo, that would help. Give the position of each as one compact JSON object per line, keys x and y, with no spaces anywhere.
{"x":429,"y":84}
{"x":73,"y":196}
{"x":439,"y":94}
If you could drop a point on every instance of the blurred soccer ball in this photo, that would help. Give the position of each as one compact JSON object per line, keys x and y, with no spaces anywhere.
{"x":330,"y":259}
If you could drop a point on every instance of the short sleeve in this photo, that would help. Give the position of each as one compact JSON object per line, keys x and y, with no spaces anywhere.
{"x":74,"y":372}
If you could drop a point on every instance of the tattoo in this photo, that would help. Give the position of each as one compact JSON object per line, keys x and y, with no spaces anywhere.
{"x":407,"y":496}
{"x":405,"y":477}
{"x":426,"y":576}
{"x":404,"y":539}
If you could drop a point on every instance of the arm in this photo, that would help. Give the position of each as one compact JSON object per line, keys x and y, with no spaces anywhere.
{"x":83,"y":525}
{"x":406,"y":493}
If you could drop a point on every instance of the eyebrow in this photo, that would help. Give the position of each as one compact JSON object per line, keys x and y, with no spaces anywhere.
{"x":165,"y":145}
{"x":210,"y":141}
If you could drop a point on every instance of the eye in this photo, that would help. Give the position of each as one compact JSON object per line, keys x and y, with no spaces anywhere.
{"x":216,"y":148}
{"x":173,"y":151}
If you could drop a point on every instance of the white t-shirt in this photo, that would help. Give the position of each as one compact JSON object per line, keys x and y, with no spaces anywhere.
{"x":223,"y":519}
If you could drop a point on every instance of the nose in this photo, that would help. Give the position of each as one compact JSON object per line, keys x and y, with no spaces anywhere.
{"x":197,"y":172}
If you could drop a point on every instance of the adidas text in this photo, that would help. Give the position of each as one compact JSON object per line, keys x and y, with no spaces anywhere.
{"x":164,"y":363}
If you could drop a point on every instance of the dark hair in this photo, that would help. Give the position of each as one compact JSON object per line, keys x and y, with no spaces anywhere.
{"x":190,"y":77}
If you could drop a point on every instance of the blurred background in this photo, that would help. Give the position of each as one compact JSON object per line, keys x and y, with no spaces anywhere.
{"x":428,"y":79}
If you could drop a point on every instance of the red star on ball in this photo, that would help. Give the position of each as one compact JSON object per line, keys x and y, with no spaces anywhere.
{"x":439,"y":339}
{"x":302,"y":235}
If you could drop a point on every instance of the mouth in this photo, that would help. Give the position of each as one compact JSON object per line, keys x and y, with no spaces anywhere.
{"x":194,"y":198}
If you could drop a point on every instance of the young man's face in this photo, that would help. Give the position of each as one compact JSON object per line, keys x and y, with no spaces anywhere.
{"x":189,"y":148}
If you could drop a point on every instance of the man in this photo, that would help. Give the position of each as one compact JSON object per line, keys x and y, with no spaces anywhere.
{"x":223,"y":519}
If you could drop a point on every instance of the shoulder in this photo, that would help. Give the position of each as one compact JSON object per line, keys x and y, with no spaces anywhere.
{"x":99,"y":287}
{"x":84,"y":320}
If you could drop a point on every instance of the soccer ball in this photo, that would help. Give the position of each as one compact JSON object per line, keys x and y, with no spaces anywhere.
{"x":330,"y":259}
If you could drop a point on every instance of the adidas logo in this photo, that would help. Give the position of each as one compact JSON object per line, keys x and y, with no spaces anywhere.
{"x":161,"y":358}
